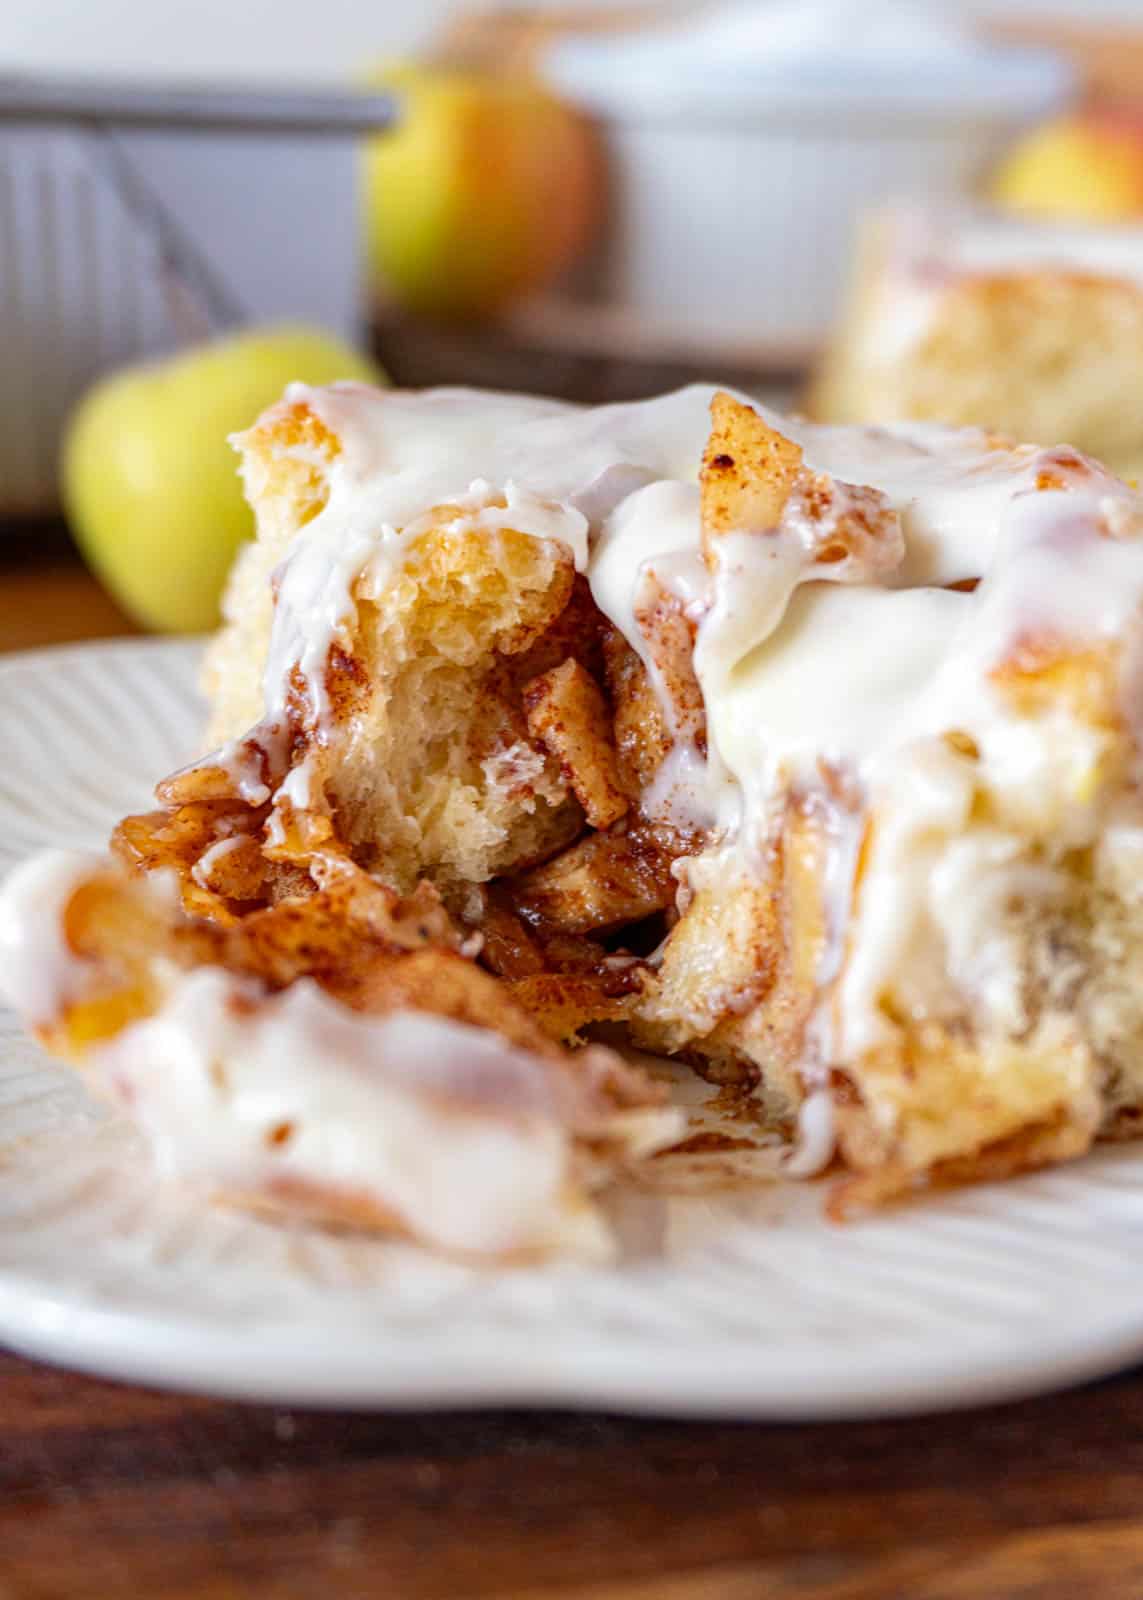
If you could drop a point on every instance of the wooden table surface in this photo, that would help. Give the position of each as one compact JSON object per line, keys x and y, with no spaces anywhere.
{"x":109,"y":1492}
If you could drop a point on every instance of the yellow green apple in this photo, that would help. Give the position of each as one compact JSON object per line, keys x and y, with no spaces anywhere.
{"x":487,"y":188}
{"x":1087,"y":166}
{"x":150,"y":484}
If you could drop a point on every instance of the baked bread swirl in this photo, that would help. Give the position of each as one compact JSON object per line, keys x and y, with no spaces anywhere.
{"x":807,"y":754}
{"x":975,"y":317}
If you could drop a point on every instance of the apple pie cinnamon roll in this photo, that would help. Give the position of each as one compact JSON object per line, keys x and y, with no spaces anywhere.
{"x":808,"y":755}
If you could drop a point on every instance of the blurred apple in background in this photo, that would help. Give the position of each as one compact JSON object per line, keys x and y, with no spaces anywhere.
{"x":150,"y":484}
{"x":488,"y":188}
{"x":1088,"y":166}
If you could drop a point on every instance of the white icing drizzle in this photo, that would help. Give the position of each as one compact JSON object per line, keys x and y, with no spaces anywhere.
{"x":39,"y":971}
{"x":618,"y":484}
{"x":470,"y":1143}
{"x":242,"y":762}
{"x":298,"y":786}
{"x":464,"y":1139}
{"x":936,"y":882}
{"x":402,"y":455}
{"x":928,"y":254}
{"x":214,"y":853}
{"x":815,"y":1139}
{"x":827,"y":681}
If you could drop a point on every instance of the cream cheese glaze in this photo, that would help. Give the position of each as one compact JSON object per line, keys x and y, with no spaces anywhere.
{"x":442,"y":1127}
{"x":617,"y":483}
{"x":434,"y":1125}
{"x":39,"y":972}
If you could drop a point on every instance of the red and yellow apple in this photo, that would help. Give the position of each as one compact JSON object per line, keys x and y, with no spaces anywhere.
{"x":150,"y":484}
{"x":487,"y":188}
{"x":1088,"y":166}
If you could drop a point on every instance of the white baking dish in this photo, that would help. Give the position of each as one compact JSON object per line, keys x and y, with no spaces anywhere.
{"x":744,"y":148}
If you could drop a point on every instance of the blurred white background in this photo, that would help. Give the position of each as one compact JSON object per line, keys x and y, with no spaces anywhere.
{"x":295,"y":39}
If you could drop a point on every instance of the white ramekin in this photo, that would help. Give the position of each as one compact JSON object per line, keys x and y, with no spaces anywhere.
{"x":735,"y":187}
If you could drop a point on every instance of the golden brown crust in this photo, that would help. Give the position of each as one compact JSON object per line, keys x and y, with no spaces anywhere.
{"x":748,"y":472}
{"x":1060,"y":1138}
{"x":751,"y":475}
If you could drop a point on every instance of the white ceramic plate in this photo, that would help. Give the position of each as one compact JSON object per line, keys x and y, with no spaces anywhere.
{"x":739,"y":1301}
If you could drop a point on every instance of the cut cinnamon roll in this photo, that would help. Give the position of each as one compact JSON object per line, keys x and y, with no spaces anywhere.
{"x":809,"y":755}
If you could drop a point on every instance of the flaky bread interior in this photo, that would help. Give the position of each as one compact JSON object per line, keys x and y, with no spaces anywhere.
{"x":285,"y":471}
{"x":429,"y":770}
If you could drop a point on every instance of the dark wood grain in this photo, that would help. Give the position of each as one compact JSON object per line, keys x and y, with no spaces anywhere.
{"x":113,"y":1492}
{"x":46,"y":596}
